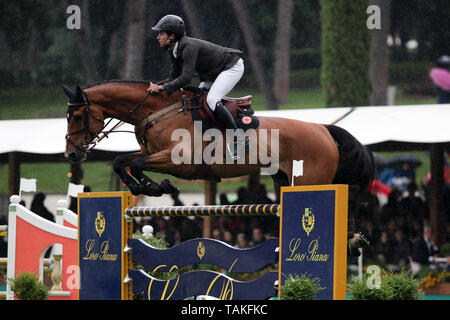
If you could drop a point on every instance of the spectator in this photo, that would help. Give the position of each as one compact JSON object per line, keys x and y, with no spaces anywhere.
{"x":224,"y":199}
{"x":228,"y":237}
{"x":243,"y":197}
{"x":176,"y":198}
{"x":177,"y":237}
{"x":392,"y":226}
{"x":402,"y":249}
{"x":425,"y":250}
{"x":441,"y":78}
{"x":38,"y":207}
{"x":217,"y":234}
{"x":384,"y":249}
{"x":257,"y":237}
{"x":74,"y":201}
{"x":241,"y":241}
{"x":415,"y":232}
{"x":373,"y":235}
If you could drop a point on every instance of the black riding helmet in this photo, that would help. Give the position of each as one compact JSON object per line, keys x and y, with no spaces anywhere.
{"x":171,"y":23}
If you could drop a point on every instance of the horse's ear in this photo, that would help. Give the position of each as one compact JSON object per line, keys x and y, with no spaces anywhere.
{"x":68,"y":92}
{"x":79,"y":91}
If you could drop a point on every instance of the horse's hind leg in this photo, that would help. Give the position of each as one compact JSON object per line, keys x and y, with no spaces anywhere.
{"x":280,"y":179}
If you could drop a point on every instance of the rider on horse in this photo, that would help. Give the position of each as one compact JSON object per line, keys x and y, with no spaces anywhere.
{"x":219,"y":69}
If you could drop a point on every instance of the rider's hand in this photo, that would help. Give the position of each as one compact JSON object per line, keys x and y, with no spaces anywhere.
{"x":153,"y":88}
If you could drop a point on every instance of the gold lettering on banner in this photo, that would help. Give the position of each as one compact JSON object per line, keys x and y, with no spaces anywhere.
{"x":102,"y":255}
{"x":225,"y":294}
{"x":163,"y":295}
{"x":311,"y":254}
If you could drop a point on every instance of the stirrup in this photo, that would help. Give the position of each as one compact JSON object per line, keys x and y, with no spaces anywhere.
{"x":238,"y":149}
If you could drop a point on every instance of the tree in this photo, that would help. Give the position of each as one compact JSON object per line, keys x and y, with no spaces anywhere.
{"x":282,"y":51}
{"x":345,"y":53}
{"x":83,"y":40}
{"x":379,"y":55}
{"x":135,"y":39}
{"x":254,"y":53}
{"x":193,"y":19}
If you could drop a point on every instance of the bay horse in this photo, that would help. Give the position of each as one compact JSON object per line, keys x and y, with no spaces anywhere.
{"x":330,"y":153}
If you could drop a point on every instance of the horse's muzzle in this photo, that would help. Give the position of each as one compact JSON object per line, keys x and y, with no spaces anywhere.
{"x":75,"y":156}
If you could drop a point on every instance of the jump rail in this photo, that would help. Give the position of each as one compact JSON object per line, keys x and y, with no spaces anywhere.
{"x":202,"y":211}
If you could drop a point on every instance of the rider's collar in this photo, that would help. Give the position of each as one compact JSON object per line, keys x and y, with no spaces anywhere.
{"x":175,"y":49}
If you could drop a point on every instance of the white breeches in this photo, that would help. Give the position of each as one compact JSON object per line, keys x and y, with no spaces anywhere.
{"x":223,"y":84}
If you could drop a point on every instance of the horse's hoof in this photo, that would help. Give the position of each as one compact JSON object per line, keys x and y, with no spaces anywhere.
{"x":135,"y":189}
{"x":358,"y":241}
{"x":168,"y":186}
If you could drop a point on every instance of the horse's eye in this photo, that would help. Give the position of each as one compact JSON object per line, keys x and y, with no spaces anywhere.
{"x":75,"y":117}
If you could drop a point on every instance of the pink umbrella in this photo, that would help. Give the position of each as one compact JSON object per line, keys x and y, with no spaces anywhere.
{"x":441,"y":78}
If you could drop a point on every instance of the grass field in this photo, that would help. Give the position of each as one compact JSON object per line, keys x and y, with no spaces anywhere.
{"x":50,"y":102}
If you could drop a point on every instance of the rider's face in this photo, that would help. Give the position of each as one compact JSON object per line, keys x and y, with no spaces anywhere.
{"x":163,"y":37}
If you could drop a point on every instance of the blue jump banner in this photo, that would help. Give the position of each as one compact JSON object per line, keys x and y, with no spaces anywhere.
{"x":313,"y":236}
{"x":102,"y":234}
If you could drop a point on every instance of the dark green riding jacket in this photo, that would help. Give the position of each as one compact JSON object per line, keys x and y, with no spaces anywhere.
{"x":198,"y":56}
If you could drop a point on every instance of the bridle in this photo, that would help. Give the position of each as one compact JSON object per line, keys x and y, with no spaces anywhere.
{"x":85,"y":145}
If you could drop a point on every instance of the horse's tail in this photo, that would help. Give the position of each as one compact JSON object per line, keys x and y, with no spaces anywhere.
{"x":356,"y":163}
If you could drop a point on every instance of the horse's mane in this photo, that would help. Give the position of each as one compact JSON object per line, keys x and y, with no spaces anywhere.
{"x":191,"y":88}
{"x":116,"y":81}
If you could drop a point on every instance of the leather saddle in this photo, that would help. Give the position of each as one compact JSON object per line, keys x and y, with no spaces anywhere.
{"x":240,"y":109}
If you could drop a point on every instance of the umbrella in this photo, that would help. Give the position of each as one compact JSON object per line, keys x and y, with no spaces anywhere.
{"x":380,"y":161}
{"x":410,"y":159}
{"x":441,"y":78}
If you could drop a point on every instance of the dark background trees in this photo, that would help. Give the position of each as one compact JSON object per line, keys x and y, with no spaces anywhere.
{"x":345,"y":53}
{"x":281,"y":41}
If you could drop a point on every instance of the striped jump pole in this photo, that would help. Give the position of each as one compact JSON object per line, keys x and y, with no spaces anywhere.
{"x":202,"y":211}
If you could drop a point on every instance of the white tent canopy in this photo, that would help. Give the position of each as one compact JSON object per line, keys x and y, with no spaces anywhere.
{"x":370,"y":125}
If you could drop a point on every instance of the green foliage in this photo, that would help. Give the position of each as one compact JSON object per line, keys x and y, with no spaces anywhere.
{"x":360,"y":290}
{"x":345,"y":53}
{"x":27,"y":286}
{"x":157,"y":241}
{"x":400,"y":286}
{"x":300,"y":287}
{"x":403,"y":286}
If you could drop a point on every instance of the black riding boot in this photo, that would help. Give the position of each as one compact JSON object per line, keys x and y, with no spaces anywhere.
{"x":224,"y":116}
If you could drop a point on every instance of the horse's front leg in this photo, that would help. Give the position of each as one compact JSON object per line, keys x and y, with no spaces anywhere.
{"x":149,"y":187}
{"x":121,"y":163}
